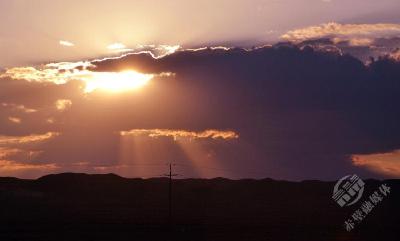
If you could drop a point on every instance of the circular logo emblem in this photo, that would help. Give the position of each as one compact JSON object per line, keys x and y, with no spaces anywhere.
{"x":348,"y":190}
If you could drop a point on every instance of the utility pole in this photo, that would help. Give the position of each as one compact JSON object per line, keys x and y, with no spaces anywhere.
{"x":170,"y":175}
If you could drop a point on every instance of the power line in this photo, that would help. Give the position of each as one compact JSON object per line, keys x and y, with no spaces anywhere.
{"x":223,"y":169}
{"x":216,"y":169}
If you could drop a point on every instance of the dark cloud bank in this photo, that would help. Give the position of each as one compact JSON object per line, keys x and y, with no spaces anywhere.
{"x":300,"y":113}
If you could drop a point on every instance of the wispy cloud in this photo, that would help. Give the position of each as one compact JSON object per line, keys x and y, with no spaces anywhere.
{"x":64,"y":72}
{"x":119,"y":48}
{"x":167,"y":49}
{"x":157,"y":51}
{"x":17,"y":107}
{"x":17,"y":153}
{"x":8,"y":165}
{"x":57,"y":73}
{"x":66,"y":43}
{"x":16,"y":140}
{"x":7,"y":152}
{"x":343,"y":31}
{"x":115,"y":46}
{"x":383,"y":163}
{"x":213,"y":134}
{"x":15,"y":120}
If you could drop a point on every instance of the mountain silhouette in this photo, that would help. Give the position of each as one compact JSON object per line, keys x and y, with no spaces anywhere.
{"x":73,"y":206}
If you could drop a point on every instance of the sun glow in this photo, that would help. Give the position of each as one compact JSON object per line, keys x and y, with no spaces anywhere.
{"x":62,"y":73}
{"x":116,"y":81}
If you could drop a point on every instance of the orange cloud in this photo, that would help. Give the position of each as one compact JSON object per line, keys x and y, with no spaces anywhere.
{"x":8,"y":165}
{"x":360,"y":42}
{"x":384,"y":163}
{"x":63,"y":104}
{"x":57,"y":73}
{"x":355,"y":33}
{"x":12,"y":153}
{"x":63,"y":72}
{"x":16,"y":140}
{"x":15,"y":120}
{"x":17,"y":153}
{"x":7,"y":152}
{"x":213,"y":134}
{"x":19,"y":107}
{"x":395,"y":55}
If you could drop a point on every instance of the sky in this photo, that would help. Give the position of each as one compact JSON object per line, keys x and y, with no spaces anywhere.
{"x":30,"y":31}
{"x":293,"y":90}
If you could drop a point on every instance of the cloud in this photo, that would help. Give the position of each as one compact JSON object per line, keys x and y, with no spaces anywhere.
{"x":156,"y":51}
{"x":213,"y":134}
{"x":119,"y":48}
{"x":19,"y":167}
{"x":17,"y":155}
{"x":7,"y":166}
{"x":66,"y":43}
{"x":7,"y":152}
{"x":64,"y":72}
{"x":19,"y":107}
{"x":291,"y":105}
{"x":395,"y":54}
{"x":15,"y":120}
{"x":363,"y":41}
{"x":300,"y":113}
{"x":343,"y":31}
{"x":58,"y":73}
{"x":164,"y":50}
{"x":63,"y":104}
{"x":116,"y":46}
{"x":17,"y":140}
{"x":383,"y":163}
{"x":50,"y":120}
{"x":358,"y":41}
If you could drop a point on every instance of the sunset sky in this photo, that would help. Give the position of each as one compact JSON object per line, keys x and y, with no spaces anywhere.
{"x":287,"y":89}
{"x":31,"y":30}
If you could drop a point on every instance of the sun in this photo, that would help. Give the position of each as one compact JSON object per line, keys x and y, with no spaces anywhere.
{"x":116,"y":81}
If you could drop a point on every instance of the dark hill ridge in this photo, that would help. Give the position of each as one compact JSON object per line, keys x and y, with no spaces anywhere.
{"x":108,"y":207}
